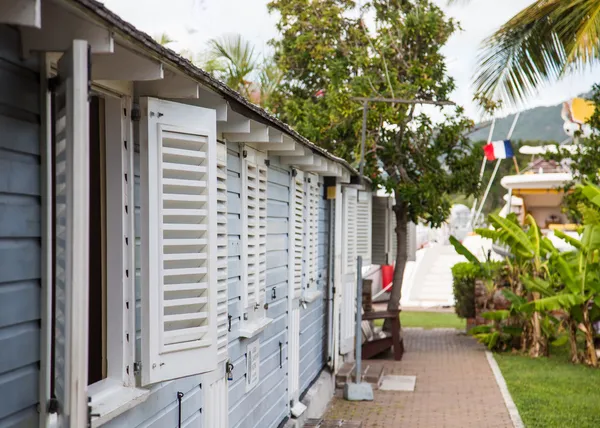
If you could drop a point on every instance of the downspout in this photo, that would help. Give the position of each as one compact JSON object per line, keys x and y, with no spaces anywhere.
{"x":330,"y":279}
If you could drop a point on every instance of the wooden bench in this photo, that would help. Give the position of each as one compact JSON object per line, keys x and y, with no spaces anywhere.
{"x":376,"y":345}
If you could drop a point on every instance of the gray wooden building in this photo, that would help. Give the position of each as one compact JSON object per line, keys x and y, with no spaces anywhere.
{"x":168,"y":250}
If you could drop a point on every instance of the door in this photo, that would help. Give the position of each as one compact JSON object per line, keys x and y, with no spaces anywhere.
{"x":348,"y":308}
{"x":70,"y":171}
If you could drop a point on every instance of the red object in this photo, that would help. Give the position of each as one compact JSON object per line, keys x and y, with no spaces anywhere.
{"x":387,"y":277}
{"x":488,"y":149}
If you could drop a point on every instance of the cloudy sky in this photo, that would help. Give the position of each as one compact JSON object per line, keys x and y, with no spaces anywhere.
{"x":193,"y":22}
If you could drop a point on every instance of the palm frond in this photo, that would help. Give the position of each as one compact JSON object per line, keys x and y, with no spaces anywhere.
{"x":237,"y":59}
{"x":536,"y":46}
{"x":163,"y":39}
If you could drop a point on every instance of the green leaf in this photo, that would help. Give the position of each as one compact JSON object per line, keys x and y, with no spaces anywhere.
{"x":561,"y":340}
{"x":464,"y":251}
{"x":567,"y":275}
{"x":516,"y":301}
{"x":591,"y":192}
{"x":568,"y":239}
{"x":561,"y":301}
{"x":498,"y":315}
{"x":512,"y":235}
{"x":537,"y":285}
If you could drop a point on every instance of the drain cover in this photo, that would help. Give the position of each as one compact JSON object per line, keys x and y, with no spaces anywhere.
{"x":398,"y":383}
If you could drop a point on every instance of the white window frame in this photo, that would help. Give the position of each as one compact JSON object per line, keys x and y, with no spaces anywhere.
{"x":118,"y":392}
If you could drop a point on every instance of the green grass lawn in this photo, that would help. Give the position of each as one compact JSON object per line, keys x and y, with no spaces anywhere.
{"x":429,"y":320}
{"x":552,"y":392}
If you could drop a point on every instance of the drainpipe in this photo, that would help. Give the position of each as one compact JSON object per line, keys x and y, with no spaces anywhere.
{"x":330,"y":282}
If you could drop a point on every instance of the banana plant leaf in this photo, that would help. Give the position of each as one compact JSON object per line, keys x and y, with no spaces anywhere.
{"x":560,"y":301}
{"x":464,"y":251}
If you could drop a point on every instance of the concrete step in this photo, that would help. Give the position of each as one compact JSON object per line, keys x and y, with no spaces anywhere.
{"x":373,"y":374}
{"x":344,"y":375}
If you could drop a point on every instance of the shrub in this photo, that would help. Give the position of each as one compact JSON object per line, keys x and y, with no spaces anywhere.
{"x":463,"y":284}
{"x":464,"y":276}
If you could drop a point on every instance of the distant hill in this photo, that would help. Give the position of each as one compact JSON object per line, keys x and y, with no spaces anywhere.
{"x":539,"y":123}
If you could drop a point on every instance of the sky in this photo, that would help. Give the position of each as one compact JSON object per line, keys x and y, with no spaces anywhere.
{"x":191,"y":23}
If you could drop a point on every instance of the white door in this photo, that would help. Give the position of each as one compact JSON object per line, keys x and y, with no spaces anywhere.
{"x":348,"y":270}
{"x":70,"y":115}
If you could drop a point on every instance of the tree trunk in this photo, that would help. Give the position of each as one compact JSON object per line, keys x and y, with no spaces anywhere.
{"x":401,"y":256}
{"x":572,"y":330}
{"x":536,"y":350}
{"x":588,"y":329}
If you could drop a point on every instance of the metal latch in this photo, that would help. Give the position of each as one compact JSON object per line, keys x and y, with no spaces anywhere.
{"x":137,"y":367}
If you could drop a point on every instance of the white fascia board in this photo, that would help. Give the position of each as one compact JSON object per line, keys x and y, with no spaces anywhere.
{"x":59,"y":28}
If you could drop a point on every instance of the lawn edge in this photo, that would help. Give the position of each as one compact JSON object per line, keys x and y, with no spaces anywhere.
{"x":508,"y":401}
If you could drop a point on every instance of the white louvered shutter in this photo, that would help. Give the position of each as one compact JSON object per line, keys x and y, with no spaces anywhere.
{"x":254,"y":235}
{"x":222,"y":241}
{"x":180,"y":228}
{"x":351,"y":213}
{"x":364,"y":225}
{"x":349,"y":270}
{"x":71,"y":218}
{"x":312,"y":232}
{"x":298,"y":230}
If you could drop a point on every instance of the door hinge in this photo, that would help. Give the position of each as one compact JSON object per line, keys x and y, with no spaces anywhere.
{"x":137,"y":367}
{"x":90,"y":414}
{"x":89,"y":71}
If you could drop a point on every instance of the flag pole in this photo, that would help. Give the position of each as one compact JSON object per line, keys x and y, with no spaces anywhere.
{"x":489,"y":186}
{"x":481,"y":172}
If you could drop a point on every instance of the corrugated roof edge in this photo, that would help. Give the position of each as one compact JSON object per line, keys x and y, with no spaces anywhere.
{"x":112,"y":19}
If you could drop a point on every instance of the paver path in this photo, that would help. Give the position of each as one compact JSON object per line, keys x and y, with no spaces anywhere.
{"x":455,"y":387}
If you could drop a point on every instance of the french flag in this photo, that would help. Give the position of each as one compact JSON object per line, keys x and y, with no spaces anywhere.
{"x":498,"y":150}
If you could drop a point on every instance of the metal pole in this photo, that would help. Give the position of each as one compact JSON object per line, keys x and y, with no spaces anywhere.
{"x":487,"y":190}
{"x":363,"y":138}
{"x":510,"y":132}
{"x":481,"y":171}
{"x":359,"y":287}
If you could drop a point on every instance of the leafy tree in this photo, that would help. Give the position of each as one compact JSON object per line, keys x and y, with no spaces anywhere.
{"x":328,"y":55}
{"x":544,"y":41}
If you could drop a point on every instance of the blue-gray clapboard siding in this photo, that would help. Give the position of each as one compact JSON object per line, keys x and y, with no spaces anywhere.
{"x":20,"y":233}
{"x":266,"y":405}
{"x":313,"y":319}
{"x":161,"y":408}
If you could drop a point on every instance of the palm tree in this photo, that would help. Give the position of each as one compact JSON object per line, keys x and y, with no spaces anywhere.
{"x":163,"y":39}
{"x":232,"y":59}
{"x":540,"y":44}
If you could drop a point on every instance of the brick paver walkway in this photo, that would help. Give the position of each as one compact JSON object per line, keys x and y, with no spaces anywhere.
{"x":455,"y":387}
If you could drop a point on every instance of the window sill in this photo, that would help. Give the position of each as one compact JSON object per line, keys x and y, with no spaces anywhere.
{"x":250,"y":329}
{"x":311,"y":296}
{"x":109,"y":398}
